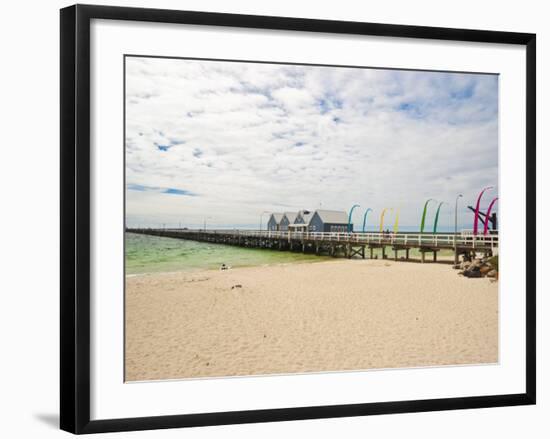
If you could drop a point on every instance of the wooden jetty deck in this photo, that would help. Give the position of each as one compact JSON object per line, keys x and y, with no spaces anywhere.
{"x":339,"y":244}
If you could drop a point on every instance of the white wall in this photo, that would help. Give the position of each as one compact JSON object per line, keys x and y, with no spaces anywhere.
{"x":30,"y":203}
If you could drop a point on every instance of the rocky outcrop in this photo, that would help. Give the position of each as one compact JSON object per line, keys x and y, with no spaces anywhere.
{"x":479,"y":267}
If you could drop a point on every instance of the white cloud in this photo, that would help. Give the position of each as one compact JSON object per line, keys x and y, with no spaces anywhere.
{"x":247,"y":137}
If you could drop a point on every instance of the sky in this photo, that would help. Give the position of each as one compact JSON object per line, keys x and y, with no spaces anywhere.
{"x":223,"y":142}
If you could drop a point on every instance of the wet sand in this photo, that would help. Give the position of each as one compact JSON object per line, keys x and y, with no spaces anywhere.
{"x":307,"y":317}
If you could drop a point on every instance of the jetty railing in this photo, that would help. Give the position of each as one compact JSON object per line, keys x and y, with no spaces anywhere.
{"x":437,"y":240}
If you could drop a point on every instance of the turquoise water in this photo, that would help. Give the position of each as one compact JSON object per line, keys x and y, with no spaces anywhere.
{"x":153,"y":254}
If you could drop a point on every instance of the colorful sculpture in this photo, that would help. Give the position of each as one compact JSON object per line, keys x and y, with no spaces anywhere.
{"x":487,"y":215}
{"x":365,"y":218}
{"x":422,"y":223}
{"x":382,"y":219}
{"x":476,"y":213}
{"x":396,"y":223}
{"x":349,"y":218}
{"x":437,"y":216}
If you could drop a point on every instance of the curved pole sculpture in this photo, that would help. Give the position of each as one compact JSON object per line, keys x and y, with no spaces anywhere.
{"x":396,"y":223}
{"x":349,"y":218}
{"x":423,"y":222}
{"x":382,"y":219}
{"x":365,"y":218}
{"x":487,"y":215}
{"x":437,"y":215}
{"x":476,"y":214}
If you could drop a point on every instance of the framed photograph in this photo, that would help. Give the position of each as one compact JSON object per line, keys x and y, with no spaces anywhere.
{"x":268,"y":219}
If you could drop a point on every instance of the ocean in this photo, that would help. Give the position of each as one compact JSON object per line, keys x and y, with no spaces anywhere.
{"x":153,"y":254}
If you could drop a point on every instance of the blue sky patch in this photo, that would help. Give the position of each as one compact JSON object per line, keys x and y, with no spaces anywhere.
{"x":162,"y":147}
{"x":171,"y":191}
{"x":174,"y":191}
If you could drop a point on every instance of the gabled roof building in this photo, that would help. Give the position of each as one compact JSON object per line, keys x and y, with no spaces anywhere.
{"x":329,"y":221}
{"x":287,"y":219}
{"x":274,"y":222}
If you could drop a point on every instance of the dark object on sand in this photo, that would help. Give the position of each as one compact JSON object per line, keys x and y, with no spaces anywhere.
{"x":483,"y":267}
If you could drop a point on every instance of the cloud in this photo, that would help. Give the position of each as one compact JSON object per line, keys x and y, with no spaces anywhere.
{"x":252,"y":137}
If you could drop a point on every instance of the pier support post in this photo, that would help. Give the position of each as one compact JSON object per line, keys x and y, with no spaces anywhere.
{"x":407,"y":254}
{"x":383,"y":252}
{"x":395,"y":254}
{"x":435,"y":256}
{"x":456,"y":257}
{"x":423,"y":256}
{"x":371,"y":252}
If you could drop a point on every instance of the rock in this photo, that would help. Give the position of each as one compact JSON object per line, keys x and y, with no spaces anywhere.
{"x":476,"y":263}
{"x":492,"y":273}
{"x":485,"y":269}
{"x":236,"y":286}
{"x":473,"y":273}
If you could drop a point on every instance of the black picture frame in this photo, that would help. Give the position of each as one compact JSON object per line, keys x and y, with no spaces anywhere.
{"x":75,"y":217}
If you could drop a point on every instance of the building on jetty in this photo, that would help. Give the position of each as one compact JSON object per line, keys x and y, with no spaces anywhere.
{"x":287,"y":219}
{"x":333,"y":221}
{"x":301,"y":223}
{"x":274,"y":222}
{"x":329,"y":221}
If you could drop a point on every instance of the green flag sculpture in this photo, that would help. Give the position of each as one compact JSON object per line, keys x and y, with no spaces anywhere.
{"x":423,"y":222}
{"x":437,"y":216}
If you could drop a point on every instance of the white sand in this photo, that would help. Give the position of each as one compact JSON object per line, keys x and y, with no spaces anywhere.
{"x":325,"y":316}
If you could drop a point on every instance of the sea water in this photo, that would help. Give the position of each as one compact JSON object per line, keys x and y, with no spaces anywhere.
{"x":154,"y":254}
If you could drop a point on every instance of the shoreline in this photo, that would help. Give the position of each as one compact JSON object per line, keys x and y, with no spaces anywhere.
{"x":321,"y":316}
{"x":444,"y":260}
{"x":230,"y":268}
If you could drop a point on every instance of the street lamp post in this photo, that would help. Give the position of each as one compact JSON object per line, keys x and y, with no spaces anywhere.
{"x":456,"y":226}
{"x":456,"y":215}
{"x":204,"y":224}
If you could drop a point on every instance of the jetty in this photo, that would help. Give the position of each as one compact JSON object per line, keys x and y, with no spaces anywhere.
{"x":341,"y":244}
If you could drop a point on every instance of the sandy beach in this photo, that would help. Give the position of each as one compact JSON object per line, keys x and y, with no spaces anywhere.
{"x":303,"y":317}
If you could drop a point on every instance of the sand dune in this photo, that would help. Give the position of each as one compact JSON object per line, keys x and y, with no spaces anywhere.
{"x":325,"y":316}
